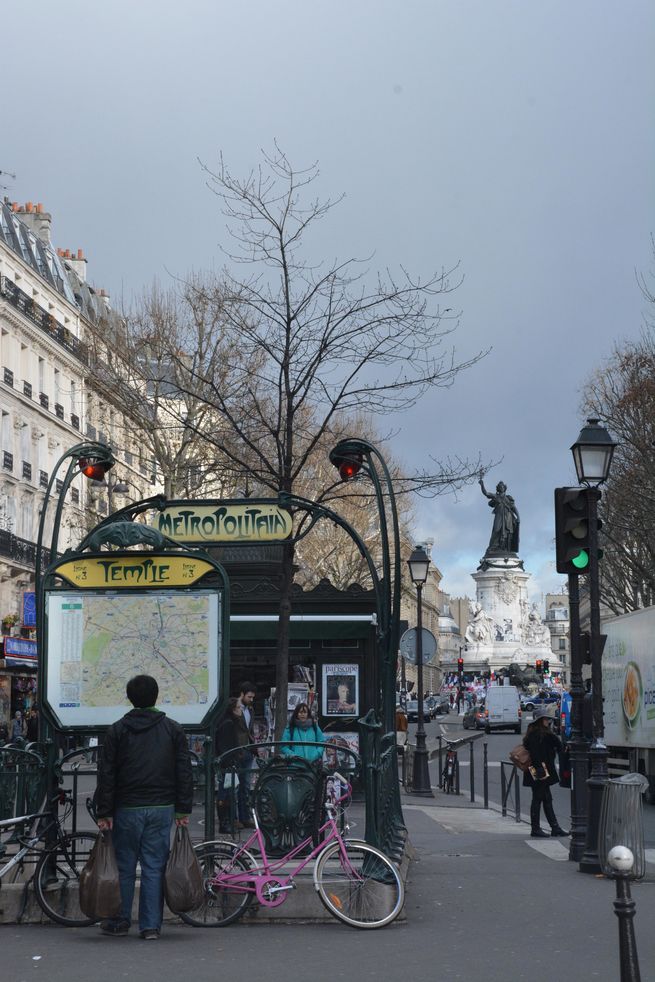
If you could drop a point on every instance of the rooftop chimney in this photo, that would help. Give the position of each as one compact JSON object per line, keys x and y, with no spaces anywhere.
{"x":77,"y":262}
{"x":36,"y":219}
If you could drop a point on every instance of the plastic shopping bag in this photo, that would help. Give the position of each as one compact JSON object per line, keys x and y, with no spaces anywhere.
{"x":100,"y":893}
{"x":183,"y":883}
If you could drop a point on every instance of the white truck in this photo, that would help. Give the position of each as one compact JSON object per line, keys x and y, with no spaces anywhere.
{"x":629,"y":692}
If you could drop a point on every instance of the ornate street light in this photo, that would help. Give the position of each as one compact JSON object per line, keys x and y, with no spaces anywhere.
{"x":592,"y":454}
{"x":419,"y":564}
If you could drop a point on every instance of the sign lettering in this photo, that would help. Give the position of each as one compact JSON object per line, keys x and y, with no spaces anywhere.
{"x":225,"y":523}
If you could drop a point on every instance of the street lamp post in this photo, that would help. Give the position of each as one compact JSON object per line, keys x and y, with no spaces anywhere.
{"x":419,"y":563}
{"x":592,"y":455}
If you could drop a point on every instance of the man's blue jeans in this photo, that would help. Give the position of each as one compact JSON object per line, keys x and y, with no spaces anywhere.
{"x":143,"y":835}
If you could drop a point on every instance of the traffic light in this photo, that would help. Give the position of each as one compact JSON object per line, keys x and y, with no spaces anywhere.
{"x":572,"y":530}
{"x":537,"y":666}
{"x":546,"y":666}
{"x":460,"y":665}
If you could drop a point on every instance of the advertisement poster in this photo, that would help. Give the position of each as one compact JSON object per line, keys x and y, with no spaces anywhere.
{"x":340,"y":690}
{"x":297,"y":692}
{"x":334,"y":756}
{"x":629,"y":680}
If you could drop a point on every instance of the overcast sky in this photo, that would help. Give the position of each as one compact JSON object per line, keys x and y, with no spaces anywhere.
{"x":516,"y":138}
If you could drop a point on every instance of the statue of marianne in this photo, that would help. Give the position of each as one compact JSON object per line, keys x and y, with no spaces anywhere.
{"x":505,"y":531}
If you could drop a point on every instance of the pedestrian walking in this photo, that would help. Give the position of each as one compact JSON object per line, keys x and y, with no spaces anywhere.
{"x":145,"y":782}
{"x":543,"y":746}
{"x":302,"y":729}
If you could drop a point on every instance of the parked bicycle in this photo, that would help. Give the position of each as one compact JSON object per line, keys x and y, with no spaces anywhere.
{"x":62,"y":856}
{"x":449,"y":773}
{"x":356,"y":882}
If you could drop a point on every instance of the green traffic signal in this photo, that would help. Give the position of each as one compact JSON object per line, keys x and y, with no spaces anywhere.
{"x":581,"y":561}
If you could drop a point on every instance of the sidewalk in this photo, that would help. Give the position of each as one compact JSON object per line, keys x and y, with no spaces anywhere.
{"x":482,"y":902}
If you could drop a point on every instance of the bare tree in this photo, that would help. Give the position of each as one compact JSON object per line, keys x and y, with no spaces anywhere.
{"x":305,"y":344}
{"x":622,"y":395}
{"x":145,"y":357}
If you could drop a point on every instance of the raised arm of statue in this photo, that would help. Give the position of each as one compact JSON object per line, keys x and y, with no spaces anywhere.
{"x":483,"y":489}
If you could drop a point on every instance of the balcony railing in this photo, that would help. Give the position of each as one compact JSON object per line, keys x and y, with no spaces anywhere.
{"x":8,"y":377}
{"x":7,"y":460}
{"x":27,"y":389}
{"x":42,"y":318}
{"x":59,"y":410}
{"x":27,"y":471}
{"x":75,"y":421}
{"x":20,"y":550}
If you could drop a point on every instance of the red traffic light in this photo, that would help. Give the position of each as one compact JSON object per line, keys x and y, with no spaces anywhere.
{"x":93,"y":468}
{"x":460,"y":664}
{"x":350,"y":468}
{"x":538,"y":664}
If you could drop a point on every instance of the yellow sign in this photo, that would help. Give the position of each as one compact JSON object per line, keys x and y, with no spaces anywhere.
{"x":116,"y":572}
{"x":225,"y":523}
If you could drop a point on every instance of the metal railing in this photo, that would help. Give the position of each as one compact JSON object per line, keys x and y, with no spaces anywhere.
{"x":506,"y":786}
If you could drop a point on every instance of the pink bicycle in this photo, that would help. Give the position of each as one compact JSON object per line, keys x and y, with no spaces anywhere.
{"x":357,"y":883}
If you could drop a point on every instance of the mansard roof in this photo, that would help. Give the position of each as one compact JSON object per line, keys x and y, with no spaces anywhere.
{"x":35,"y":252}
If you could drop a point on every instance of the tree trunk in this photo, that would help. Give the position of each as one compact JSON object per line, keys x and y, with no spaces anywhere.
{"x":283,"y":637}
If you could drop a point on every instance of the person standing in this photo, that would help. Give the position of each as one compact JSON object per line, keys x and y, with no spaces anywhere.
{"x":145,"y":782}
{"x":543,"y":746}
{"x":230,"y":735}
{"x":245,"y":730}
{"x":303,"y":736}
{"x":32,"y":727}
{"x":17,"y":727}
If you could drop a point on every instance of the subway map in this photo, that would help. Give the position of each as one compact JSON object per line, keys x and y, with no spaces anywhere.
{"x":105,"y":639}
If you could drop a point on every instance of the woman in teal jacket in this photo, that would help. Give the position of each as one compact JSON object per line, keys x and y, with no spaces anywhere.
{"x":302,"y":729}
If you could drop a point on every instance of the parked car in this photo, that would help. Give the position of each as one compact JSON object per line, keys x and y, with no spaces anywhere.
{"x":474,"y":718}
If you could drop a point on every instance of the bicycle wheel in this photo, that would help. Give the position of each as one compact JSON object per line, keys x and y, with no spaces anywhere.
{"x":362,"y":888}
{"x":221,"y":905}
{"x":57,"y":877}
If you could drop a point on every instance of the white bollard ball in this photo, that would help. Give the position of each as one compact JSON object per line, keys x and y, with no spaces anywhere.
{"x":621,"y":859}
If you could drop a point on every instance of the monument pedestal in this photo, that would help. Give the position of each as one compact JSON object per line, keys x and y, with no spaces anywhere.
{"x":504,"y":628}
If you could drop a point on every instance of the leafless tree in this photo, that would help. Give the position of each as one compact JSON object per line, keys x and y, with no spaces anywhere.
{"x":308,"y":344}
{"x":622,"y":394}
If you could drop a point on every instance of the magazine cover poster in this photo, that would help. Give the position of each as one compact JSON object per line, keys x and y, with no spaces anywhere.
{"x":340,"y":690}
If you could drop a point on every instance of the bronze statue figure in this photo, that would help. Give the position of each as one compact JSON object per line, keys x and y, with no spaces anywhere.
{"x":505,"y":532}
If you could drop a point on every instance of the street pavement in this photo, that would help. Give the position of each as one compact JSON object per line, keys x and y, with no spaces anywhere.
{"x":484,"y":901}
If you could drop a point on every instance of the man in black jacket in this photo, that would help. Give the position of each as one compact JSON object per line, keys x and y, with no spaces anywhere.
{"x":144,"y":781}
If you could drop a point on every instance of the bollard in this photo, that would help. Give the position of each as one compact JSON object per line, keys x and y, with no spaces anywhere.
{"x":472,"y":768}
{"x":621,"y":860}
{"x":457,"y":773}
{"x":485,"y":773}
{"x":440,"y":763}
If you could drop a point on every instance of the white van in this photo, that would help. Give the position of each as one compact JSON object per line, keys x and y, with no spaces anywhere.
{"x":502,"y":709}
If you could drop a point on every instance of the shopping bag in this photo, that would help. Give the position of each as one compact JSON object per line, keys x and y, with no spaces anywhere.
{"x":100,"y":892}
{"x":183,"y":883}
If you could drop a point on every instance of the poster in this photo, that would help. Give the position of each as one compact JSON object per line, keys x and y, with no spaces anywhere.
{"x":335,"y":757}
{"x":297,"y":692}
{"x":340,"y":690}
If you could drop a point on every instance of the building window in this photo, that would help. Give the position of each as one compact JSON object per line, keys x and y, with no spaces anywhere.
{"x":75,"y":496}
{"x":27,"y":471}
{"x":562,"y":644}
{"x":9,"y":377}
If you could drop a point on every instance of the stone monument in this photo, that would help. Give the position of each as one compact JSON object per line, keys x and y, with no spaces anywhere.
{"x":504,"y":627}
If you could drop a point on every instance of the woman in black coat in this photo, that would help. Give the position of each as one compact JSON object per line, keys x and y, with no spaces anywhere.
{"x":543,"y":746}
{"x":229,"y":736}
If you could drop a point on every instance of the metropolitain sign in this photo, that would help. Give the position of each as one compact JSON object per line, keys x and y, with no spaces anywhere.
{"x":210,"y":522}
